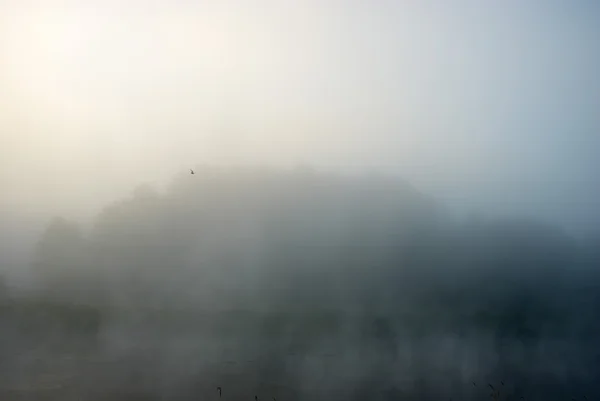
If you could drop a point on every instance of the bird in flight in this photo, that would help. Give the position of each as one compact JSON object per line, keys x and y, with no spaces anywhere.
{"x":192,"y":171}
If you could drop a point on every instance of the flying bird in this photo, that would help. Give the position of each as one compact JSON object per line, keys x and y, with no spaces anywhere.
{"x":192,"y":171}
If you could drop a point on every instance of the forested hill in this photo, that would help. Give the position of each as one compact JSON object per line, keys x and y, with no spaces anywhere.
{"x":297,"y":240}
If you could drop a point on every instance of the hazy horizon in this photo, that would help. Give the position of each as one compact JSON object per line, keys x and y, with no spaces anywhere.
{"x":488,"y":107}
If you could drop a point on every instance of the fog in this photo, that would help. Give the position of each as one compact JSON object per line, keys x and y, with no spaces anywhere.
{"x":391,"y":200}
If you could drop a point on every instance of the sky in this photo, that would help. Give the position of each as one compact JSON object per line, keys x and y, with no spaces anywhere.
{"x":488,"y":106}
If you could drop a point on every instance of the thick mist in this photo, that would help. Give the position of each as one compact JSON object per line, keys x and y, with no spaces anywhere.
{"x":297,"y":284}
{"x":391,"y":200}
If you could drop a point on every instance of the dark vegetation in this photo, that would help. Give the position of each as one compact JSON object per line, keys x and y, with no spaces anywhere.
{"x":299,"y":285}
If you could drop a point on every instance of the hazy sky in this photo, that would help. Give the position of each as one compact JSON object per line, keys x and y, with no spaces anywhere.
{"x":488,"y":105}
